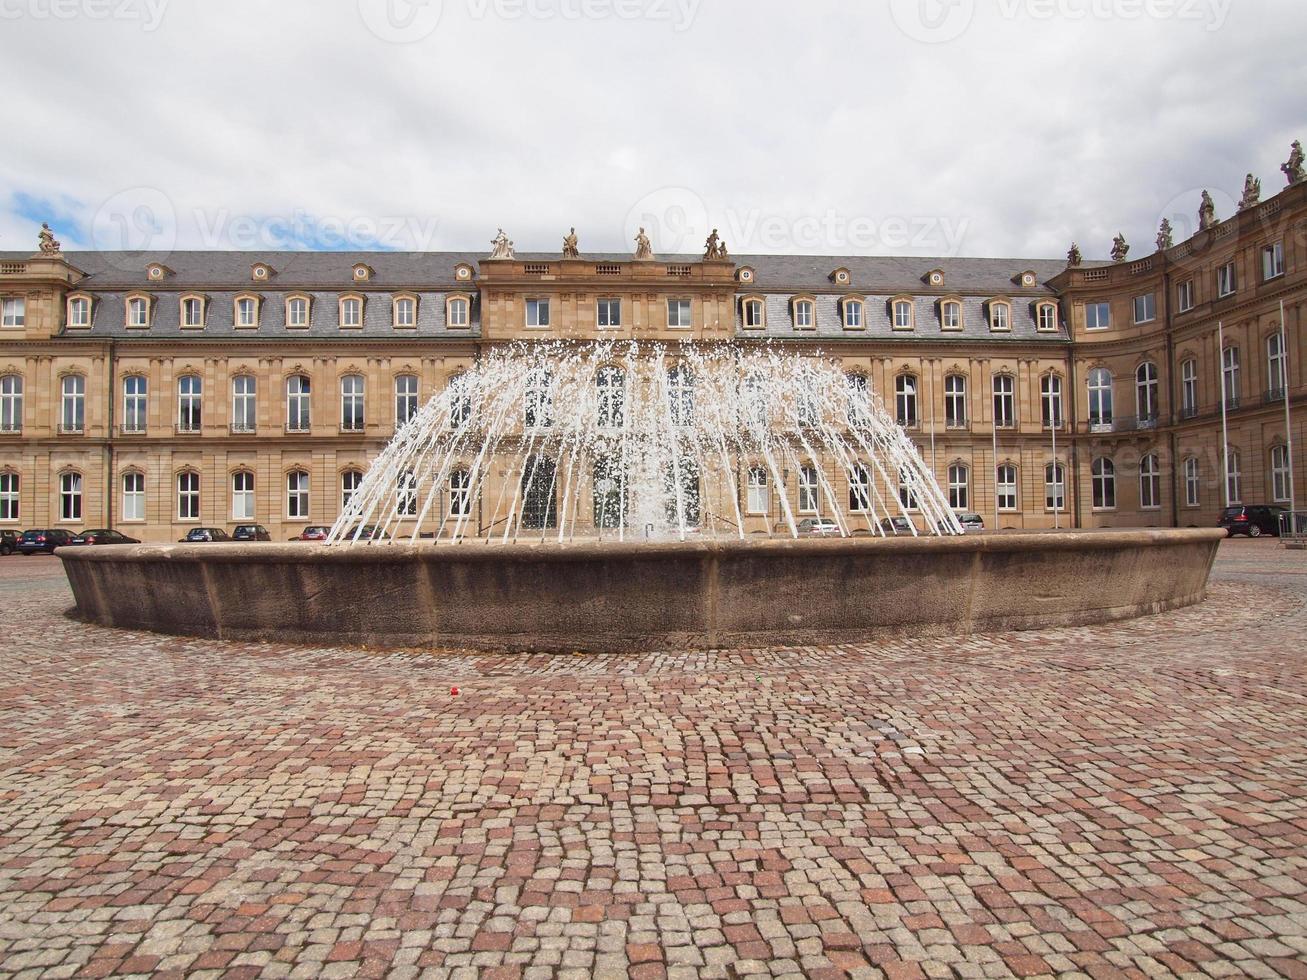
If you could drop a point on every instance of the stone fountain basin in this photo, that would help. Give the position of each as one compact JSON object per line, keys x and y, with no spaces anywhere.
{"x":632,"y":597}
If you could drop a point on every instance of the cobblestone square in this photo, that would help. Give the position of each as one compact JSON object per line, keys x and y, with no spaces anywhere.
{"x":1128,"y":800}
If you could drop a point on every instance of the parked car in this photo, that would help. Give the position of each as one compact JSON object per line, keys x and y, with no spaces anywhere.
{"x":102,"y":535}
{"x":369,"y":532}
{"x":197,"y":534}
{"x":1253,"y":521}
{"x":818,"y":527}
{"x":46,"y":540}
{"x":971,"y":523}
{"x":895,"y":525}
{"x":250,"y":532}
{"x":314,"y":532}
{"x":8,"y":542}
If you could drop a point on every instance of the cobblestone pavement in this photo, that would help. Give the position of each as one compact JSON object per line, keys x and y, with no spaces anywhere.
{"x":1128,"y":799}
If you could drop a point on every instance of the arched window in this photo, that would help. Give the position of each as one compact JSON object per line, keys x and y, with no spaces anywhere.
{"x":351,"y":313}
{"x":1234,"y":477}
{"x":297,"y":312}
{"x":9,"y":496}
{"x":297,"y":495}
{"x":242,"y":496}
{"x":804,"y":314}
{"x":905,"y":400}
{"x":1050,"y":400}
{"x":1054,"y":487}
{"x":79,"y":311}
{"x":1100,"y":397}
{"x":244,"y":407}
{"x":808,"y":490}
{"x":70,"y":497}
{"x":192,"y":311}
{"x":460,"y":493}
{"x":1150,"y":483}
{"x":902,"y":314}
{"x":188,"y":496}
{"x":680,"y":394}
{"x":1005,"y":486}
{"x":950,"y":315}
{"x":539,"y":500}
{"x":72,"y":414}
{"x":610,"y":393}
{"x":406,"y":399}
{"x":1275,"y":367}
{"x":1046,"y":317}
{"x":1102,"y":473}
{"x":955,"y":401}
{"x":299,"y":398}
{"x":351,"y":403}
{"x":457,"y":313}
{"x":350,"y":481}
{"x":754,"y":314}
{"x":1146,"y":393}
{"x":135,"y":394}
{"x":404,"y":312}
{"x":138,"y":311}
{"x":959,"y":486}
{"x":1000,"y":317}
{"x":190,"y":393}
{"x":758,"y":500}
{"x":1193,"y":484}
{"x":11,"y":403}
{"x":539,"y":398}
{"x":859,"y":488}
{"x":1005,"y":401}
{"x":609,"y":492}
{"x":853,"y":314}
{"x":1280,"y":474}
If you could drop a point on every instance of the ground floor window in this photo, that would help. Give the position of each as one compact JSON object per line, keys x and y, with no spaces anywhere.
{"x":70,"y":496}
{"x":1054,"y":487}
{"x":242,"y":496}
{"x":1234,"y":478}
{"x":1150,"y":483}
{"x":1280,"y":474}
{"x":759,"y":495}
{"x":1006,"y":486}
{"x":460,"y":493}
{"x":860,"y":489}
{"x":133,"y":496}
{"x":539,"y":501}
{"x":350,"y":481}
{"x":808,"y":489}
{"x":1102,"y":474}
{"x":8,"y":496}
{"x":959,"y":487}
{"x":1193,"y":486}
{"x":188,"y":496}
{"x":297,"y":495}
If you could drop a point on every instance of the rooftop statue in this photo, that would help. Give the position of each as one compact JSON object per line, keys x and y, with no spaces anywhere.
{"x":1073,"y":257}
{"x":571,"y":249}
{"x":643,"y":247}
{"x":49,"y":244}
{"x":1206,"y":212}
{"x":712,"y":248}
{"x":1119,"y":248}
{"x":1293,"y":170}
{"x":1252,"y":193}
{"x":1165,"y":237}
{"x":502,"y":248}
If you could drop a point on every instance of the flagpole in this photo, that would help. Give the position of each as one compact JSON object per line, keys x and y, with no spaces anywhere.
{"x":1056,"y":499}
{"x":993,"y":428}
{"x":1288,"y":419}
{"x":1225,"y":425}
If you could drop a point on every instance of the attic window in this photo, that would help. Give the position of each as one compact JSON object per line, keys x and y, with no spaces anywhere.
{"x":260,"y":272}
{"x":362,"y":273}
{"x":155,"y":272}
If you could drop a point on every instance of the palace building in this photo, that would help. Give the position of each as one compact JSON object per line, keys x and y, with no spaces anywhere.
{"x":155,"y":393}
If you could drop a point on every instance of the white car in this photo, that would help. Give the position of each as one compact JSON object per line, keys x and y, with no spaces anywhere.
{"x":819,"y":527}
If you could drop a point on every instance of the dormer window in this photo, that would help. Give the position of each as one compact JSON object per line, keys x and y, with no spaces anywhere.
{"x":1000,"y":316}
{"x":245,"y":312}
{"x":463,"y":272}
{"x":745,"y":274}
{"x":902,"y":310}
{"x":934,"y":278}
{"x":404,"y":312}
{"x":157,"y":272}
{"x":138,"y":311}
{"x":950,"y":315}
{"x":297,"y":312}
{"x":854,"y":318}
{"x":841,"y":277}
{"x":260,"y":272}
{"x":1046,"y":317}
{"x":79,"y":312}
{"x":805,"y":314}
{"x":193,"y":311}
{"x":457,"y":313}
{"x":1026,"y":280}
{"x":351,"y":312}
{"x":362,"y":272}
{"x":755,"y":314}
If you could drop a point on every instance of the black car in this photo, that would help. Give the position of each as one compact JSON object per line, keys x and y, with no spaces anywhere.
{"x":250,"y":532}
{"x":197,"y":534}
{"x":1253,"y":521}
{"x":102,"y":535}
{"x":8,"y":542}
{"x":45,"y":540}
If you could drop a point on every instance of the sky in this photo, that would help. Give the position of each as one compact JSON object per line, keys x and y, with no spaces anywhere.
{"x":864,"y":127}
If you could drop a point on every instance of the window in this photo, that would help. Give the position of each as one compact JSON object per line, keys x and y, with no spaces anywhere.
{"x":609,"y":493}
{"x":808,"y":489}
{"x":14,"y":311}
{"x":297,"y":495}
{"x":951,"y":316}
{"x":1054,"y":487}
{"x":804,"y":317}
{"x":1100,"y":397}
{"x":610,"y":391}
{"x":351,"y":403}
{"x":460,"y":400}
{"x":537,"y":313}
{"x":1150,"y":483}
{"x":1006,"y":486}
{"x":1000,"y":317}
{"x":539,"y":398}
{"x":1225,"y":280}
{"x":608,"y":314}
{"x":758,"y":498}
{"x":9,"y":486}
{"x":1189,"y":388}
{"x":753,"y":314}
{"x":852,"y":314}
{"x":350,"y":481}
{"x":460,"y":493}
{"x":959,"y":487}
{"x":1005,"y":402}
{"x":73,"y":404}
{"x":905,"y":399}
{"x":856,"y":385}
{"x":1046,"y":317}
{"x":678,"y":313}
{"x":1272,"y":261}
{"x":297,"y":312}
{"x":1098,"y":316}
{"x":135,"y":394}
{"x":1146,"y":392}
{"x":1230,"y":372}
{"x":859,"y":488}
{"x":188,"y":496}
{"x":902,"y":315}
{"x":404,"y":312}
{"x":138,"y":312}
{"x":242,"y":496}
{"x":1050,"y":401}
{"x":1146,"y":308}
{"x":406,"y":398}
{"x":243,"y":403}
{"x":906,"y":497}
{"x":683,"y":494}
{"x":1192,"y":483}
{"x":190,"y":390}
{"x":1184,"y":296}
{"x":247,"y":311}
{"x":11,"y":403}
{"x":806,"y":406}
{"x":1275,"y":366}
{"x":298,"y":403}
{"x":458,"y":313}
{"x":406,"y":494}
{"x":192,"y":311}
{"x":1102,"y":478}
{"x":1280,"y":473}
{"x":539,"y":501}
{"x":955,"y":401}
{"x":79,"y":312}
{"x":351,"y":313}
{"x":70,"y":496}
{"x":1234,"y":477}
{"x":680,"y":394}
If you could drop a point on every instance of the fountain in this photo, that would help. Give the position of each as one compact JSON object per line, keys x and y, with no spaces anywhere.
{"x":618,"y":496}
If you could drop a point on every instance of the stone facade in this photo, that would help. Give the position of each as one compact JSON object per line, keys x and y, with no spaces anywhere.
{"x":943,"y":330}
